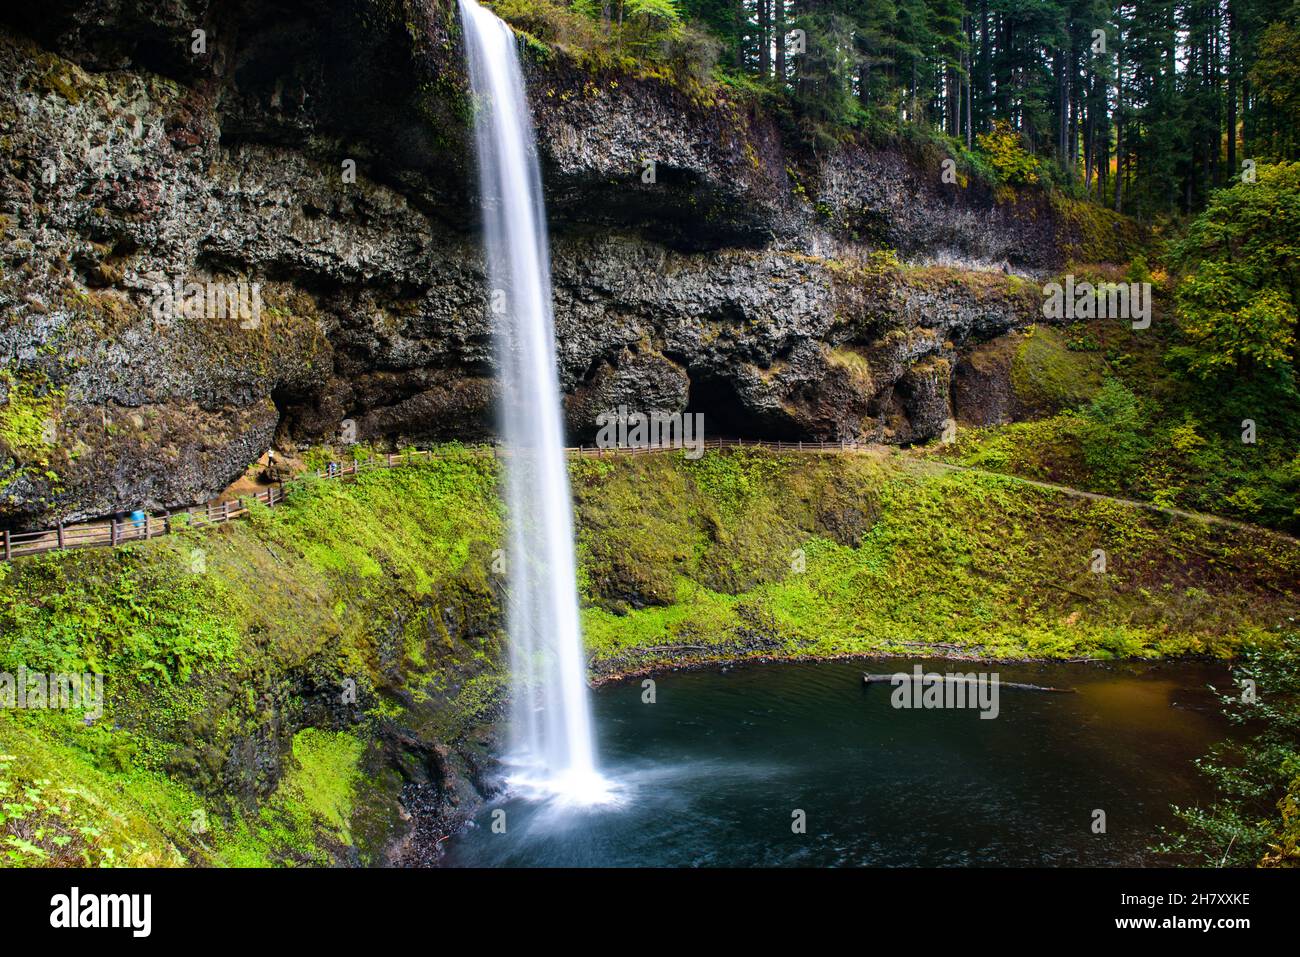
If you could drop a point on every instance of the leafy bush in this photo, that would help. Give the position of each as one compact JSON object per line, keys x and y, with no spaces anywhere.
{"x":1256,"y":818}
{"x":1138,"y":270}
{"x":1231,"y":328}
{"x":1238,"y":299}
{"x":1006,"y":153}
{"x":1113,"y":440}
{"x":644,"y":37}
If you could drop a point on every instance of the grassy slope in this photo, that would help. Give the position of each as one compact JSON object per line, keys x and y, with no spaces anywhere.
{"x":1183,"y":448}
{"x":217,"y":646}
{"x":755,"y":554}
{"x":223,"y":650}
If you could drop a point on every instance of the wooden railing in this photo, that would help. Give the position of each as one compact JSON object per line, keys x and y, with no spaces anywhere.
{"x":779,"y":446}
{"x":123,"y":531}
{"x":114,"y":532}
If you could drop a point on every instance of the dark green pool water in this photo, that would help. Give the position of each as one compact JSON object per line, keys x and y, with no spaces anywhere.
{"x":711,"y":774}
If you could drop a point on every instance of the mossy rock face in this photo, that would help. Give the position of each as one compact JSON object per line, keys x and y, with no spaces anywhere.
{"x":1090,"y":233}
{"x":1048,"y":376}
{"x":707,"y":287}
{"x":1024,"y":376}
{"x":856,"y":365}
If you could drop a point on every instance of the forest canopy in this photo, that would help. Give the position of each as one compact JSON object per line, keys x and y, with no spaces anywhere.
{"x":1147,"y":107}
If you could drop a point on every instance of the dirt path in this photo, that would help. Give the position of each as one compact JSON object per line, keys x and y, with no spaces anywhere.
{"x":939,"y":465}
{"x":89,"y":534}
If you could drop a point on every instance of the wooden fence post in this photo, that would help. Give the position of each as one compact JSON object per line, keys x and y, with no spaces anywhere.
{"x":8,"y":548}
{"x":112,"y":530}
{"x":60,"y":534}
{"x":225,"y":511}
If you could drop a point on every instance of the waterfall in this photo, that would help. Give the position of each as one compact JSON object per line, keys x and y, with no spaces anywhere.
{"x":551,"y":718}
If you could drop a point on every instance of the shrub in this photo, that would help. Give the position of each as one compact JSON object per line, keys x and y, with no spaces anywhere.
{"x":1231,"y":328}
{"x":1240,"y":291}
{"x":1006,"y":153}
{"x":1112,"y":436}
{"x":1256,"y":817}
{"x":646,"y":37}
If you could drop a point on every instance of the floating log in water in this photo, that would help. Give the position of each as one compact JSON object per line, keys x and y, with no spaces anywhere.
{"x":869,"y":679}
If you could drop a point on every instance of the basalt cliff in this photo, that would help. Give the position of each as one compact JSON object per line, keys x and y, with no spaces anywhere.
{"x":704,"y":258}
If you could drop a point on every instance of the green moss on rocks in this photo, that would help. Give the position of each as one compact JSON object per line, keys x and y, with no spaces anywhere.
{"x":30,"y":420}
{"x":56,"y":75}
{"x":29,"y":415}
{"x":314,"y":801}
{"x":856,"y":365}
{"x":1048,"y":375}
{"x":1090,"y":233}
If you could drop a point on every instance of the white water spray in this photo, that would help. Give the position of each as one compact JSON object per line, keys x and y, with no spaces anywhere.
{"x":551,"y":723}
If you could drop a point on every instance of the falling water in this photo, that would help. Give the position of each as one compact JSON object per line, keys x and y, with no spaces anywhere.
{"x":551,"y":723}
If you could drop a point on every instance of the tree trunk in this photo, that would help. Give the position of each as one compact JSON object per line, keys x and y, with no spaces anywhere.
{"x":1119,"y":126}
{"x":779,"y":7}
{"x":986,"y":70}
{"x":967,"y":57}
{"x":1234,"y":62}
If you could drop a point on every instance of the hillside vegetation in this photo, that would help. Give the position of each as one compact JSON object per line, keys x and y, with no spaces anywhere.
{"x":227,"y":737}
